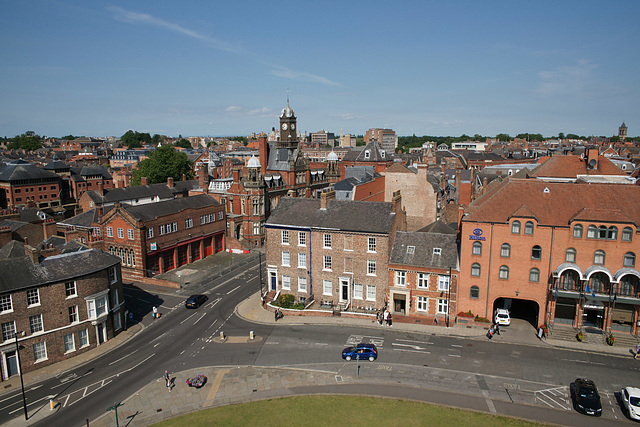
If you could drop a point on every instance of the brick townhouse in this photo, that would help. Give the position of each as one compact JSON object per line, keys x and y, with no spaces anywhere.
{"x":65,"y":304}
{"x":423,"y":273}
{"x":333,"y":252}
{"x":555,"y":252}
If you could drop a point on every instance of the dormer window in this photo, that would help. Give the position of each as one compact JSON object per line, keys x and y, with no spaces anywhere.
{"x":411,"y":250}
{"x":382,"y":154}
{"x":367,"y":154}
{"x":437,"y":251}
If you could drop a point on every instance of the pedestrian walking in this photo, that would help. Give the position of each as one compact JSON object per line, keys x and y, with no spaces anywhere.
{"x":386,"y":317}
{"x":155,"y":312}
{"x":390,"y":320}
{"x":167,"y":380}
{"x":637,"y":351}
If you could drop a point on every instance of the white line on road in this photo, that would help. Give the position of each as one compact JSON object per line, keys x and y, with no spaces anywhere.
{"x":582,"y":361}
{"x":33,"y":403}
{"x":415,"y":347}
{"x":454,"y":355}
{"x":214,"y":322}
{"x":237,"y":287}
{"x":456,"y":345}
{"x":200,"y":318}
{"x":188,"y":318}
{"x":116,"y":361}
{"x":412,"y":351}
{"x":420,"y":342}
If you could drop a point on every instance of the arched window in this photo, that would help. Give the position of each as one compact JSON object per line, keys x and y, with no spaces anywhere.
{"x":504,"y":272}
{"x":534,"y":275}
{"x":474,"y":293}
{"x":627,"y":234}
{"x":570,"y":255}
{"x":477,"y":248}
{"x":612,"y":233}
{"x":515,"y":227}
{"x":577,"y":231}
{"x":536,"y":252}
{"x":528,"y":227}
{"x":592,"y":232}
{"x":629,"y":259}
{"x":475,"y":269}
{"x":569,"y":280}
{"x":598,"y":257}
{"x":505,"y":250}
{"x":629,"y":285}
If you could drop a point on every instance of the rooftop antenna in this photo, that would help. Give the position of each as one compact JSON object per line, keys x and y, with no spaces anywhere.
{"x":287,"y":96}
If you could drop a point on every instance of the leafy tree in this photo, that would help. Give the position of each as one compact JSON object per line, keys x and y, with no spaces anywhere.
{"x":183,"y":143}
{"x":28,"y":141}
{"x":573,"y":136}
{"x":69,"y":137}
{"x":162,"y":163}
{"x":503,"y":137}
{"x":359,"y":140}
{"x":135,"y":139}
{"x":464,"y":137}
{"x":477,"y":137}
{"x":561,"y":135}
{"x":157,"y":139}
{"x":240,"y":139}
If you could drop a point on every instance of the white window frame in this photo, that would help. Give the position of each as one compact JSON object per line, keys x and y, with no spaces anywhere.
{"x":112,"y":273}
{"x":302,"y":238}
{"x":302,"y":260}
{"x":327,"y":263}
{"x":371,"y":267}
{"x":109,"y":231}
{"x":286,"y":282}
{"x":358,"y":291}
{"x":327,"y":287}
{"x":188,"y":223}
{"x":73,"y":314}
{"x":302,"y":284}
{"x":371,"y":245}
{"x":285,"y":237}
{"x":39,"y":348}
{"x":401,"y":278}
{"x":120,"y":233}
{"x":65,"y":343}
{"x":150,"y":232}
{"x":371,"y":292}
{"x":36,"y":324}
{"x":30,"y":296}
{"x":422,"y":304}
{"x":423,"y":281}
{"x":256,"y":228}
{"x":8,"y":332}
{"x":437,"y":251}
{"x":443,"y":305}
{"x":443,"y":283}
{"x":326,"y":241}
{"x":75,"y":289}
{"x":130,"y":235}
{"x":286,"y":259}
{"x":92,"y":305}
{"x":83,"y":337}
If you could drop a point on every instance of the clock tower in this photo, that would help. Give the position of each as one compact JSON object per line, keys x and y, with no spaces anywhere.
{"x":288,"y":127}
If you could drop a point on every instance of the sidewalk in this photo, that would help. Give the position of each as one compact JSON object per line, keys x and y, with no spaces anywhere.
{"x":226,"y":385}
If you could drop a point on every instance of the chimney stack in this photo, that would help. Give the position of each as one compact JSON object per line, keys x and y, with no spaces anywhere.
{"x":170,"y":182}
{"x":144,"y":181}
{"x":31,"y":252}
{"x":326,"y":195}
{"x":101,"y":188}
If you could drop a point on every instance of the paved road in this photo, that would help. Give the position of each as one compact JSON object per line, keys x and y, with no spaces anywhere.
{"x":512,"y":374}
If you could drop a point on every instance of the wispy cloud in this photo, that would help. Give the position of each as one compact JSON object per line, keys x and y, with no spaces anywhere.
{"x":131,"y":17}
{"x":238,"y":110}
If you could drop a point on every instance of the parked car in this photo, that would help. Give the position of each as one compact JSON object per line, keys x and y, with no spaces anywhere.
{"x":585,"y":397}
{"x":630,"y":397}
{"x":502,"y":317}
{"x":360,"y":352}
{"x":195,"y":301}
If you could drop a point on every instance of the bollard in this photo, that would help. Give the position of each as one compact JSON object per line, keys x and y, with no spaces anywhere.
{"x":51,"y":405}
{"x":221,"y":335}
{"x":250,"y":335}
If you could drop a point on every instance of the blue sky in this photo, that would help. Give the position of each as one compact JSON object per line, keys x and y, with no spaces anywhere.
{"x":223,"y":68}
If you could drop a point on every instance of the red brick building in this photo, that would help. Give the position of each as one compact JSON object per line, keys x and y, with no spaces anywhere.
{"x":553,"y":252}
{"x":24,"y":184}
{"x":66,"y":304}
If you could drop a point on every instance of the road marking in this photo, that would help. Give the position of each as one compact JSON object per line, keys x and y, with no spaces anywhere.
{"x":582,"y":361}
{"x":490,"y":404}
{"x":214,"y":322}
{"x":32,"y":403}
{"x":237,"y":287}
{"x":321,"y":343}
{"x":415,"y":347}
{"x":456,"y":345}
{"x":116,"y":361}
{"x":188,"y":318}
{"x":200,"y":318}
{"x":420,"y":342}
{"x":412,"y":351}
{"x":454,"y":355}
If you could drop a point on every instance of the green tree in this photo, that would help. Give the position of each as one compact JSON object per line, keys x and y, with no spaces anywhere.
{"x":69,"y":137}
{"x":478,"y":137}
{"x":561,"y":135}
{"x":183,"y":143}
{"x":157,"y":139}
{"x":27,"y":141}
{"x":135,"y":139}
{"x":162,"y":163}
{"x":503,"y":137}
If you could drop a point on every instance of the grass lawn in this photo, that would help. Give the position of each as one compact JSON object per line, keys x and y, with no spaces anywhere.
{"x":339,"y":410}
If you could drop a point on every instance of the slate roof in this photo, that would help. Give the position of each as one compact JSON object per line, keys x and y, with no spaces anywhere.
{"x":345,"y":215}
{"x":560,"y":205}
{"x":84,"y":220}
{"x":374,"y":154}
{"x":23,"y":170}
{"x":168,"y":207}
{"x":115,"y":195}
{"x":422,"y":254}
{"x":439,"y":227}
{"x":80,"y":174}
{"x":19,"y":272}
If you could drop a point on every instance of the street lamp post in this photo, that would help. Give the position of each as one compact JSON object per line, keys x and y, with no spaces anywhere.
{"x":24,"y":398}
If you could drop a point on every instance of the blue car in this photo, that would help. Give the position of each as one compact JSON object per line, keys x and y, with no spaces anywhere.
{"x":361,"y":351}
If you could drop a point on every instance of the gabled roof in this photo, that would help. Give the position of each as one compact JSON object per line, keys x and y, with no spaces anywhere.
{"x":168,"y":207}
{"x":571,"y":166}
{"x":557,"y":203}
{"x":416,"y":249}
{"x":84,"y":220}
{"x":398,"y":167}
{"x":375,"y":154}
{"x":115,"y":195}
{"x":438,"y":227}
{"x":22,"y":170}
{"x":19,"y":272}
{"x":345,"y":215}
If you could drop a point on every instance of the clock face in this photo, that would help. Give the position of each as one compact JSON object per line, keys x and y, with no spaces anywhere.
{"x":293,"y":126}
{"x":284,"y":126}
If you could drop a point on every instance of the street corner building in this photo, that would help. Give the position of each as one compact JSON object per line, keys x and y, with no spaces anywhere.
{"x":56,"y":304}
{"x":554,"y":253}
{"x":332,"y":255}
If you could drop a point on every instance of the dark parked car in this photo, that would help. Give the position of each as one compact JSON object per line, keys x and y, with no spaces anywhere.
{"x":585,"y":397}
{"x":195,"y":301}
{"x":360,"y":352}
